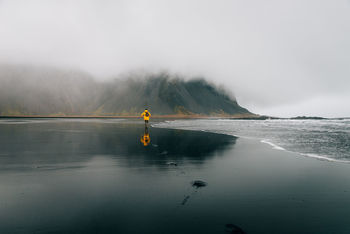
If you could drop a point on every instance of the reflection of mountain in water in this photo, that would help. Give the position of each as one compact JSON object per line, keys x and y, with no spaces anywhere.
{"x":31,"y":145}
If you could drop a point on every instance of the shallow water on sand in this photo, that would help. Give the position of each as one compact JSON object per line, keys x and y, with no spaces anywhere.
{"x":326,"y":139}
{"x":115,"y":176}
{"x":80,"y":176}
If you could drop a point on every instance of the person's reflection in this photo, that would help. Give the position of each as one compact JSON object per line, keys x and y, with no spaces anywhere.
{"x":145,"y":139}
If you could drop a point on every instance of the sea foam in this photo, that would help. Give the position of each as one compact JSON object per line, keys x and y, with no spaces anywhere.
{"x":325,"y":140}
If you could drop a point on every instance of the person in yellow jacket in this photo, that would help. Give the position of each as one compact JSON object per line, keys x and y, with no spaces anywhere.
{"x":146,"y":116}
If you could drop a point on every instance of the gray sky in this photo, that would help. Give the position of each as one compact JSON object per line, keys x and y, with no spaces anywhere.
{"x":282,"y":58}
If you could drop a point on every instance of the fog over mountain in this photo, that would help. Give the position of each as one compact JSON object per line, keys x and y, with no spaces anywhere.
{"x":28,"y":90}
{"x":282,"y":58}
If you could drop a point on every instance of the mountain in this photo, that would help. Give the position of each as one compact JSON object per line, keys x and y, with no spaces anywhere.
{"x":26,"y":90}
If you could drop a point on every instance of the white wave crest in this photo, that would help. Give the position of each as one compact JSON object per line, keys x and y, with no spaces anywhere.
{"x":324,"y":158}
{"x":274,"y":146}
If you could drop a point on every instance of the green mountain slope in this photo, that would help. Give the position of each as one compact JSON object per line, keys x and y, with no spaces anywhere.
{"x":28,"y":90}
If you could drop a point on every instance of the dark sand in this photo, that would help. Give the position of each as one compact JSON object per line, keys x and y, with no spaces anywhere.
{"x":84,"y":176}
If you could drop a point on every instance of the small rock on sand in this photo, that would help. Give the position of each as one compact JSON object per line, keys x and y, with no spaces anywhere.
{"x":198,"y":184}
{"x":231,"y":228}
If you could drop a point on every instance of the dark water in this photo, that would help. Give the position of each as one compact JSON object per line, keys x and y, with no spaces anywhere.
{"x":112,"y":176}
{"x":99,"y":177}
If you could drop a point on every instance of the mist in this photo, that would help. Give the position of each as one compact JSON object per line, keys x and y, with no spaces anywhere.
{"x":281,"y":58}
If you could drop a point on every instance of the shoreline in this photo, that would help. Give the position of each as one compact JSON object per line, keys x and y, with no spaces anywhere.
{"x":190,"y":117}
{"x":274,"y":146}
{"x":176,"y":116}
{"x":128,"y":117}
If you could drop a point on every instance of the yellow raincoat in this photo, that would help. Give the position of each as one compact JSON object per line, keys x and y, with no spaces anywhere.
{"x":146,"y":115}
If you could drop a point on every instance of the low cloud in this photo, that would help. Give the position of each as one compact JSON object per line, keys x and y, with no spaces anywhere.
{"x":281,"y":58}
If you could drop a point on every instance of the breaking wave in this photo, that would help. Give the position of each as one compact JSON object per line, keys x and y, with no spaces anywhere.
{"x":327,"y":140}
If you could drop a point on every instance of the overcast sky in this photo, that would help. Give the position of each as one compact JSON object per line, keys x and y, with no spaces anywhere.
{"x":278,"y":57}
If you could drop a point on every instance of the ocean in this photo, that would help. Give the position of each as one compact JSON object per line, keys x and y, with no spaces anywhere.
{"x":322,"y":139}
{"x":116,"y":176}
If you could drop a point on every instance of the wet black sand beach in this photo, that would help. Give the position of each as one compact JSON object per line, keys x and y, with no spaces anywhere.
{"x":97,"y":176}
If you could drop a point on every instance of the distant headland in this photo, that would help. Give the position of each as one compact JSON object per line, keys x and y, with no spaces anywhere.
{"x":27,"y":91}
